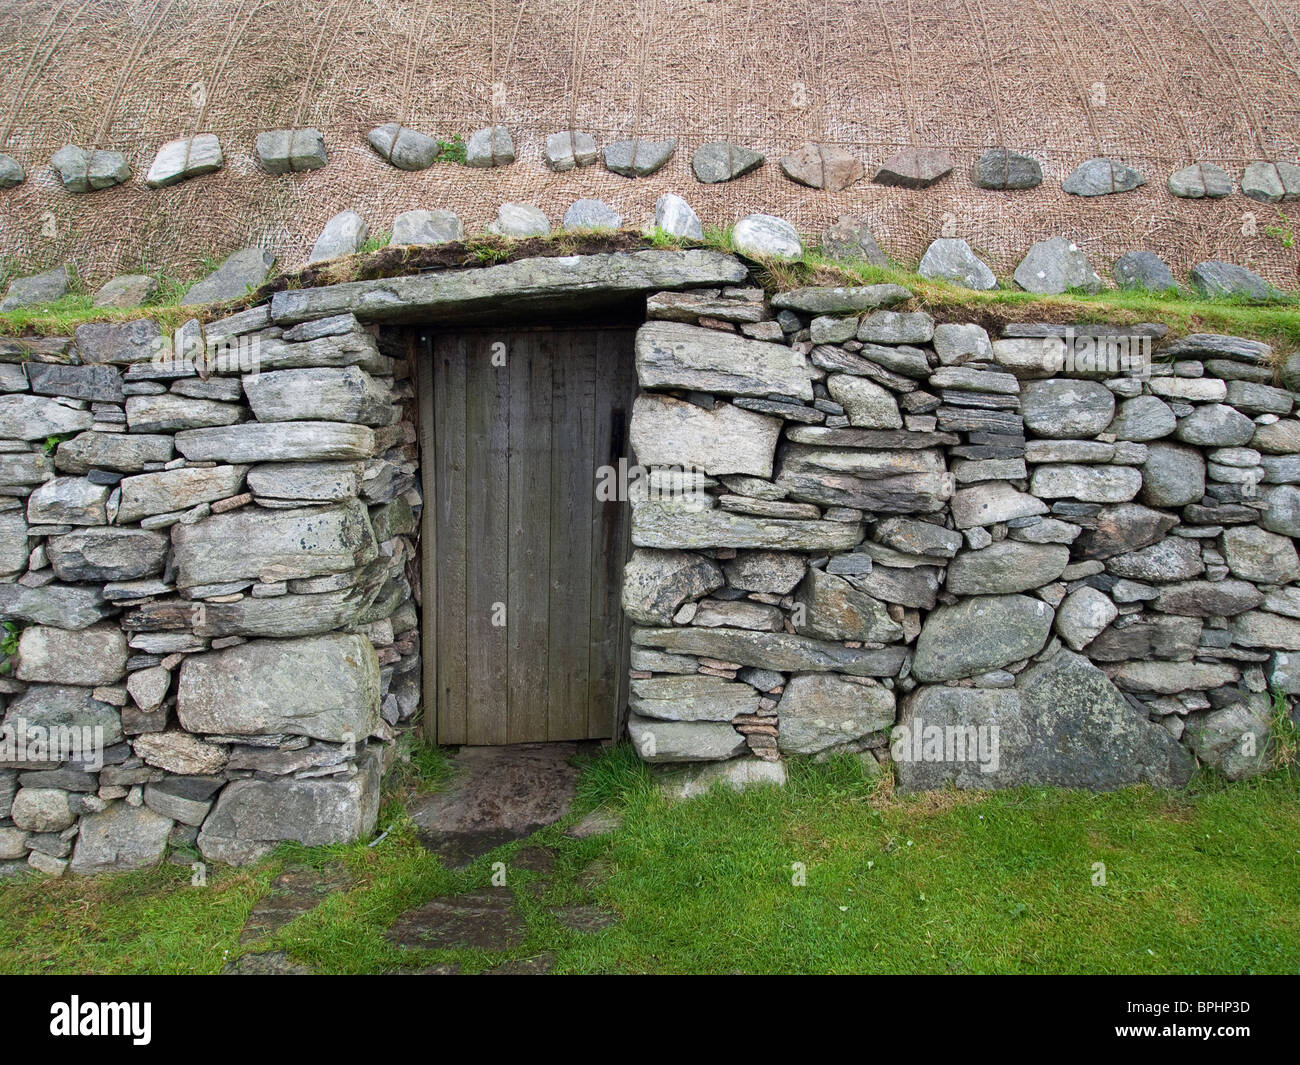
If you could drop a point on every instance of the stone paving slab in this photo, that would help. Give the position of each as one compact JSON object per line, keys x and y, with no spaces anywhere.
{"x":295,"y":891}
{"x":485,"y":920}
{"x":272,"y":963}
{"x":498,"y":794}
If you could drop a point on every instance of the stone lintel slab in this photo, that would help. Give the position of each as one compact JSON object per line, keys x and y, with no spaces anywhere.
{"x":555,"y":284}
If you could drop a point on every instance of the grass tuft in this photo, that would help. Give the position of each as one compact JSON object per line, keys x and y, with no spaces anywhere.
{"x":452,"y":150}
{"x":375,"y":242}
{"x":1284,"y":736}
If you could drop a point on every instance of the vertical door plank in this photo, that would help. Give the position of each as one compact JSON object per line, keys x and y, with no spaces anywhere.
{"x":421,"y":356}
{"x":487,"y":412}
{"x":449,"y":458}
{"x":573,"y":493}
{"x":530,"y":531}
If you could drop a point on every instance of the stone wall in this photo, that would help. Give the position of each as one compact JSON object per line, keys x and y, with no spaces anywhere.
{"x":1057,"y":556}
{"x":1061,"y":556}
{"x":207,"y":546}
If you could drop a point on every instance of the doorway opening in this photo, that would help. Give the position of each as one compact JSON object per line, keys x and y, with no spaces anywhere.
{"x":524,"y":638}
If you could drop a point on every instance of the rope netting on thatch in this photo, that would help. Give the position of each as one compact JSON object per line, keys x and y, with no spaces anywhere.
{"x":1157,"y":84}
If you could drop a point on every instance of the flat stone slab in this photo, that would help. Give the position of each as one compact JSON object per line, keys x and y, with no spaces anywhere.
{"x":296,"y":891}
{"x":677,"y":355}
{"x":185,"y":158}
{"x":594,"y":874}
{"x":284,"y":151}
{"x":272,"y":963}
{"x":773,"y":650}
{"x":914,"y":168}
{"x":569,"y":282}
{"x":536,"y":860}
{"x":483,"y":920}
{"x":406,"y":149}
{"x":499,"y":794}
{"x":533,"y":860}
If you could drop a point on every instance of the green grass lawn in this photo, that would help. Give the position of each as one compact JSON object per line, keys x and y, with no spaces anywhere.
{"x":1201,"y":881}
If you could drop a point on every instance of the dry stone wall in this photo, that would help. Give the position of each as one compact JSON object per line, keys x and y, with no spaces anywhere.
{"x":208,"y":545}
{"x":1059,"y":556}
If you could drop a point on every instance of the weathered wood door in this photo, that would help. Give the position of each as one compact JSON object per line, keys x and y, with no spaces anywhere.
{"x":523,"y":564}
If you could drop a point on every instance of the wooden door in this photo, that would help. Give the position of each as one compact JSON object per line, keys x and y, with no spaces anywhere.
{"x":522,"y":563}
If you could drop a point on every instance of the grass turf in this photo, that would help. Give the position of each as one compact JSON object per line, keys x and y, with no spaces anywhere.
{"x":1205,"y":880}
{"x":1276,"y":322}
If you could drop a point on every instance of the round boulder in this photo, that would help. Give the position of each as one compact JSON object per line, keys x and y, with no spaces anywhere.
{"x":978,"y":634}
{"x":1143,"y":418}
{"x":764,"y":236}
{"x":1083,"y":615}
{"x":1216,"y":425}
{"x":1067,"y":410}
{"x":1054,"y":266}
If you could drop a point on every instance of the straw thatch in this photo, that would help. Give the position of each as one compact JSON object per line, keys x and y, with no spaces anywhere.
{"x":1157,"y":84}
